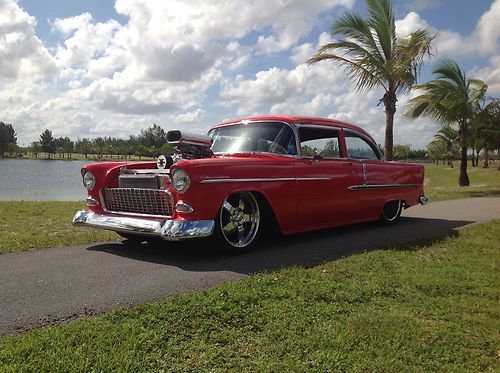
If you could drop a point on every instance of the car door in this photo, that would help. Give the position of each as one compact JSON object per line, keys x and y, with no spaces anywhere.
{"x":323,"y":179}
{"x":366,"y":159}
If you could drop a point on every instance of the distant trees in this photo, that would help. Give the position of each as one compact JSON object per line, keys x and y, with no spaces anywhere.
{"x":486,"y":129}
{"x":47,"y":143}
{"x":8,"y":138}
{"x":449,"y":136}
{"x":151,"y":142}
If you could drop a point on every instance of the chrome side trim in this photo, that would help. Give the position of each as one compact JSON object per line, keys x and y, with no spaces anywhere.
{"x":213,"y":181}
{"x":382,"y":186}
{"x":172,"y":230}
{"x":313,"y":178}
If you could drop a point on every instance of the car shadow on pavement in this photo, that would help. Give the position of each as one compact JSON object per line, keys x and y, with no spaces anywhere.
{"x":305,"y":249}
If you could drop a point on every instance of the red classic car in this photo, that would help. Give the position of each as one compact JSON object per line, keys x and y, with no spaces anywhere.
{"x":300,"y":173}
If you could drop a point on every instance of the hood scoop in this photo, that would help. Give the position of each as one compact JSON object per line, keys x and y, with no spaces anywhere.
{"x":189,"y":146}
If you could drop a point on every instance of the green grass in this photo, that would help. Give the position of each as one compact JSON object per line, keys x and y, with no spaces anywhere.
{"x":442,"y":181}
{"x":35,"y":225}
{"x":426,"y":308}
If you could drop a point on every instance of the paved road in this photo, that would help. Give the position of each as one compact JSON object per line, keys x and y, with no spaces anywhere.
{"x":55,"y":285}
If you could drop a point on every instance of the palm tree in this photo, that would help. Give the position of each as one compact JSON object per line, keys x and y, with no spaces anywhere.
{"x":373,"y":55}
{"x":448,"y":135}
{"x":450,"y":98}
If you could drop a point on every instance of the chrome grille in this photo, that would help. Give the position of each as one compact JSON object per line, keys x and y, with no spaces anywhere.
{"x":138,"y":201}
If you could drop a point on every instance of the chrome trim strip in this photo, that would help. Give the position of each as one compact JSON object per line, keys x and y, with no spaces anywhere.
{"x":172,"y":230}
{"x":382,"y":186}
{"x":313,"y":178}
{"x":213,"y":181}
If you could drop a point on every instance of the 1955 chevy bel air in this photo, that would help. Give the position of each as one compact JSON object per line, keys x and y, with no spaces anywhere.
{"x":299,"y":173}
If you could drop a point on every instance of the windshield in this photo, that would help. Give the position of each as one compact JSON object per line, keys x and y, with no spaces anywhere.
{"x":265,"y":137}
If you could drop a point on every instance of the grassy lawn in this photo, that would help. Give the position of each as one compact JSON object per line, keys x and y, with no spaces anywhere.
{"x":425,"y":308}
{"x":34,"y":225}
{"x":442,"y":181}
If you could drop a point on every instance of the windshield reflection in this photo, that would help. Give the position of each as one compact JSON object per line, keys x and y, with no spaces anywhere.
{"x":261,"y":137}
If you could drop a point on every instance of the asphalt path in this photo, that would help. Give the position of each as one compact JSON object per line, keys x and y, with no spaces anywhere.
{"x":57,"y":285}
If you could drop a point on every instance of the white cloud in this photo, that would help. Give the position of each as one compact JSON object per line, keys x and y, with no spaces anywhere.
{"x":22,"y":54}
{"x":85,"y":41}
{"x":484,"y":40}
{"x":191,"y":117}
{"x":170,"y":58}
{"x":490,"y":74}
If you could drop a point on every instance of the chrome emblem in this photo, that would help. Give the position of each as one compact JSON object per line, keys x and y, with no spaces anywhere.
{"x":161,"y":162}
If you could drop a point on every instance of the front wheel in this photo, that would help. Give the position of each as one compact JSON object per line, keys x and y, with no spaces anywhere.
{"x":391,"y":212}
{"x":239,"y":222}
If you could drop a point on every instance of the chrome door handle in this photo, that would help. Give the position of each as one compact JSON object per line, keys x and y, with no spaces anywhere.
{"x":347,"y":164}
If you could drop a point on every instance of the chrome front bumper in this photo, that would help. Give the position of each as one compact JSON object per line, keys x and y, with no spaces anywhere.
{"x":172,"y":230}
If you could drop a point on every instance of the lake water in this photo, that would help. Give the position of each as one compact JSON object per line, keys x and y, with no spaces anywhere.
{"x":41,"y":180}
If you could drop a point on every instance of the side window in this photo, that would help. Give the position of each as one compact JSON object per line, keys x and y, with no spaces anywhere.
{"x":359,"y":148}
{"x":319,"y":141}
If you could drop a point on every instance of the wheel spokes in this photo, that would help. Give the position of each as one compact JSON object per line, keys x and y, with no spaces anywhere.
{"x":241,"y":205}
{"x":228,"y":207}
{"x":229,"y":227}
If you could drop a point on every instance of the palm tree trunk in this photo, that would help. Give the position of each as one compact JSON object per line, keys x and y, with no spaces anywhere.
{"x":389,"y":100}
{"x":463,"y":180}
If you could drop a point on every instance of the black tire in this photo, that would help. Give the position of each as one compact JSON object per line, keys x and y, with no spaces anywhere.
{"x":391,"y":212}
{"x":239,"y":223}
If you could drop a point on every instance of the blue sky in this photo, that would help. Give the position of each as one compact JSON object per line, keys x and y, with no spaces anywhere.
{"x":111,"y":68}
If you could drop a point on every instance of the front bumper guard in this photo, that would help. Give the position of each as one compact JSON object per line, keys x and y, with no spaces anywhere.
{"x":173,"y":230}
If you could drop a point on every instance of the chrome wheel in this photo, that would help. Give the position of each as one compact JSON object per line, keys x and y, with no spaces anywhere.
{"x":239,"y":219}
{"x":392,"y":211}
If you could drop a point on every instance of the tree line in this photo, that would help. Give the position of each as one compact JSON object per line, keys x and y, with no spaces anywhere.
{"x":150,"y":142}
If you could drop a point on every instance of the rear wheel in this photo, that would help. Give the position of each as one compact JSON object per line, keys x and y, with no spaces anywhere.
{"x":391,"y":212}
{"x":239,"y":222}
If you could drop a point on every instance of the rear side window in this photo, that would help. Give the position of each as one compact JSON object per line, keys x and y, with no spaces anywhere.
{"x":319,"y":141}
{"x":360,"y":148}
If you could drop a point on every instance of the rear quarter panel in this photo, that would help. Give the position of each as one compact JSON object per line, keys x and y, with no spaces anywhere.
{"x":379,"y":173}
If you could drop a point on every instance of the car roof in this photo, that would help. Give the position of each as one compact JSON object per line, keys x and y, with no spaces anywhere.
{"x":299,"y":119}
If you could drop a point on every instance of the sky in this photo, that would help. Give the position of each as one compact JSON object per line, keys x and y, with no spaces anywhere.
{"x":112,"y":68}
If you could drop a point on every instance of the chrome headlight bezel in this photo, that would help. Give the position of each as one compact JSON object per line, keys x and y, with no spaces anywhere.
{"x":88,"y":180}
{"x":180,"y":180}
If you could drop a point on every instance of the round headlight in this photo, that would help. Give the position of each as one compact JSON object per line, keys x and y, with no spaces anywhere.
{"x":88,"y":180}
{"x":180,"y":180}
